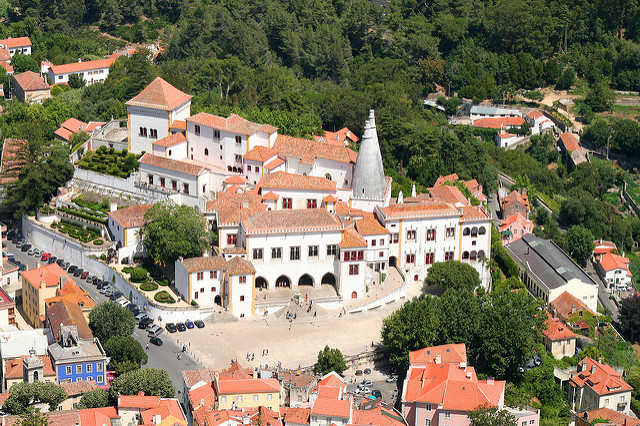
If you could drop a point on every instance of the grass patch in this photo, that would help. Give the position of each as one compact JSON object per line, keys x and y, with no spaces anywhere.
{"x":149,"y":286}
{"x":76,"y":231}
{"x":633,"y":189}
{"x":552,"y":203}
{"x":109,"y":161}
{"x":83,"y":201}
{"x":164,"y":297}
{"x":613,"y":199}
{"x":92,"y":215}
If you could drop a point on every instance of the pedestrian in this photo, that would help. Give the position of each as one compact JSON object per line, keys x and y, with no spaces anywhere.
{"x":147,"y":346}
{"x":315,"y":314}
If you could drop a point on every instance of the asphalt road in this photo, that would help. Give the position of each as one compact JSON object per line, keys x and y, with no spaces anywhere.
{"x":161,"y":357}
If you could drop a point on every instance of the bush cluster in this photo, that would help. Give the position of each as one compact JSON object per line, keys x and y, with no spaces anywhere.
{"x":148,"y":286}
{"x":137,"y":274}
{"x":164,"y":297}
{"x":109,"y":161}
{"x":93,"y":216}
{"x":76,"y":231}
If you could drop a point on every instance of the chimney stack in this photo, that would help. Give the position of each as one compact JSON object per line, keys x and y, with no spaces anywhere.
{"x":438,"y":359}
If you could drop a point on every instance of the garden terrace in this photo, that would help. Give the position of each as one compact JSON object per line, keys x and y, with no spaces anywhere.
{"x":78,"y":232}
{"x":109,"y":161}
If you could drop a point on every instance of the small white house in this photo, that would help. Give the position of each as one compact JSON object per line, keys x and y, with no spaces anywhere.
{"x":614,"y":270}
{"x":538,"y":122}
{"x":21,"y":45}
{"x":507,"y":140}
{"x":124,"y":226}
{"x":90,"y":71}
{"x":201,"y":280}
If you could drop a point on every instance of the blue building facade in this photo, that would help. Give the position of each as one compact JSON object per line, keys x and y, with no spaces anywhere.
{"x":78,"y":360}
{"x":82,"y":371}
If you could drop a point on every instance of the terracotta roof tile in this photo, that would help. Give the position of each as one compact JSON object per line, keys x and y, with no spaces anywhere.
{"x":191,"y":377}
{"x":233,"y":124}
{"x":66,"y":312}
{"x":240,"y":266}
{"x":159,"y":95}
{"x":332,"y":408}
{"x":30,"y":80}
{"x":131,"y":217}
{"x":282,"y":180}
{"x":13,"y":42}
{"x":141,"y":401}
{"x":75,"y":67}
{"x":612,"y":417}
{"x":517,"y":217}
{"x":96,"y":416}
{"x":74,"y":125}
{"x":230,"y":206}
{"x":498,"y":122}
{"x":171,"y":140}
{"x":7,"y":66}
{"x":14,"y":367}
{"x":442,"y":180}
{"x":295,"y":415}
{"x":5,"y":56}
{"x":378,"y":416}
{"x":474,"y":213}
{"x":228,"y":386}
{"x":422,"y":209}
{"x":566,"y":304}
{"x":49,"y":275}
{"x":535,"y":114}
{"x":602,"y":246}
{"x":570,"y":142}
{"x":601,"y":378}
{"x":449,"y":354}
{"x":206,"y":263}
{"x":235,"y":180}
{"x":610,"y":262}
{"x":274,"y":163}
{"x":271,"y":196}
{"x":11,"y":165}
{"x":351,"y":239}
{"x":179,"y":125}
{"x":64,"y":134}
{"x":330,"y":199}
{"x":173,"y":165}
{"x":308,"y":150}
{"x":79,"y":388}
{"x":259,"y":153}
{"x":284,"y":221}
{"x":449,"y":194}
{"x":203,"y":396}
{"x":557,"y":330}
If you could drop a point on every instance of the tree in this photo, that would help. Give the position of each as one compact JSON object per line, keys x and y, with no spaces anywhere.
{"x":33,"y":417}
{"x":486,"y":416}
{"x":94,"y":399}
{"x":629,"y":318}
{"x":581,"y":245}
{"x":147,"y":380}
{"x":22,"y":63}
{"x":329,"y":360}
{"x":600,"y":97}
{"x":23,"y":395}
{"x":452,"y":274}
{"x":76,"y":81}
{"x":173,"y":231}
{"x":566,"y":80}
{"x":126,"y":353}
{"x":110,"y":319}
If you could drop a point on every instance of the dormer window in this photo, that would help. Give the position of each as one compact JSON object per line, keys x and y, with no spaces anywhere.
{"x":196,"y":130}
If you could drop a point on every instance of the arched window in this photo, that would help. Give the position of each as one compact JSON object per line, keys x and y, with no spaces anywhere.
{"x":481,"y":254}
{"x":465,"y":255}
{"x":482,"y":230}
{"x":35,"y":376}
{"x":354,"y":294}
{"x":327,"y":176}
{"x":206,"y":151}
{"x":473,"y":255}
{"x":466,"y":231}
{"x":474,"y":231}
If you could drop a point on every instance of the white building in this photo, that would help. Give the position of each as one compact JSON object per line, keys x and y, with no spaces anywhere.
{"x":614,"y":270}
{"x":90,"y":71}
{"x":124,"y":226}
{"x":378,"y":239}
{"x":507,"y":140}
{"x":486,"y":111}
{"x":596,"y":385}
{"x":201,"y":279}
{"x":538,"y":122}
{"x":153,"y":111}
{"x":296,"y":191}
{"x":21,"y":45}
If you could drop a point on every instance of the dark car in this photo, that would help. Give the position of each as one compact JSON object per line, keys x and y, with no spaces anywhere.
{"x":199,"y":323}
{"x":377,"y":394}
{"x":60,"y":262}
{"x":367,"y":371}
{"x":78,"y":272}
{"x":72,"y":269}
{"x":84,"y":275}
{"x":171,"y":327}
{"x":101,"y":285}
{"x":145,"y":322}
{"x":156,"y":341}
{"x":181,"y":327}
{"x":22,"y":267}
{"x":358,"y":372}
{"x":133,"y":308}
{"x":25,"y":247}
{"x":189,"y":324}
{"x":53,"y":259}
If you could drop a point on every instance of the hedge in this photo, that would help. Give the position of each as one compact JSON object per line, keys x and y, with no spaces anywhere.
{"x":84,"y":215}
{"x":98,"y":242}
{"x":148,"y":286}
{"x":164,"y":297}
{"x":137,"y":275}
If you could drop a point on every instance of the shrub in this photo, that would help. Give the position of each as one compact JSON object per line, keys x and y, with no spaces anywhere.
{"x":138,"y":275}
{"x":164,"y":297}
{"x":149,"y":286}
{"x":163,"y":282}
{"x":98,"y":242}
{"x":194,"y":303}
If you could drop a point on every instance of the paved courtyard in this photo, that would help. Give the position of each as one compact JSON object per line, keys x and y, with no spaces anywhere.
{"x":294,"y":344}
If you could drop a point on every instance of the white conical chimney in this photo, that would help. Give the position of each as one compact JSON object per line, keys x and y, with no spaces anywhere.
{"x":400,"y":198}
{"x":413,"y":190}
{"x":368,"y":173}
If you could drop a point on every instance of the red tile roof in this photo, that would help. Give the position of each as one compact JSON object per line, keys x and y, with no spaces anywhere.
{"x":11,"y":164}
{"x":64,"y":134}
{"x":448,"y":194}
{"x":203,"y":396}
{"x":64,"y":311}
{"x":332,"y":379}
{"x":611,"y":262}
{"x":74,"y":125}
{"x":79,"y":388}
{"x":179,"y":125}
{"x":498,"y":122}
{"x":602,"y":246}
{"x":535,"y":114}
{"x":226,"y":386}
{"x":474,"y":213}
{"x":351,"y":239}
{"x":282,"y":180}
{"x":338,"y":138}
{"x":449,"y":354}
{"x":171,"y":140}
{"x":7,"y":66}
{"x":14,"y":367}
{"x":140,"y":401}
{"x":442,"y":180}
{"x":422,"y":209}
{"x":369,"y":225}
{"x":233,"y":124}
{"x":30,"y":81}
{"x":286,"y":221}
{"x":308,"y":150}
{"x":612,"y":417}
{"x":5,"y":56}
{"x":274,"y":163}
{"x":205,"y":263}
{"x":295,"y":415}
{"x":378,"y":416}
{"x":97,"y":416}
{"x":167,"y":408}
{"x":557,"y":330}
{"x":159,"y":95}
{"x":183,"y":167}
{"x":131,"y":217}
{"x":13,"y":42}
{"x":601,"y":378}
{"x":570,"y":142}
{"x":271,"y":196}
{"x":49,"y":275}
{"x":517,"y":217}
{"x":230,"y":206}
{"x":259,"y":153}
{"x":235,"y":180}
{"x":331,"y":408}
{"x":75,"y":67}
{"x":240,"y":266}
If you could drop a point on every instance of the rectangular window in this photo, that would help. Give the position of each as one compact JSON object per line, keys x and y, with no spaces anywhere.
{"x":429,"y":258}
{"x":255,"y":397}
{"x":381,"y":242}
{"x":154,"y":133}
{"x":346,"y":256}
{"x":185,"y":188}
{"x":394,"y":238}
{"x":212,"y":274}
{"x":257,"y":169}
{"x":99,"y":379}
{"x":312,"y":204}
{"x":411,"y":258}
{"x":360,"y":255}
{"x":294,"y":253}
{"x":242,"y":279}
{"x":276,"y":253}
{"x":287,"y":203}
{"x":195,"y":295}
{"x":232,"y":239}
{"x":248,"y":168}
{"x":381,"y":254}
{"x":411,"y":235}
{"x":313,"y":251}
{"x":447,"y":415}
{"x":150,"y":179}
{"x":199,"y":275}
{"x":174,"y":185}
{"x":450,"y":232}
{"x":429,"y":407}
{"x":332,"y":250}
{"x":373,"y":243}
{"x":431,"y":234}
{"x":269,"y":397}
{"x":213,"y":289}
{"x":162,"y":182}
{"x":238,"y":158}
{"x":448,"y":255}
{"x":257,"y":254}
{"x":216,"y":134}
{"x":238,"y":139}
{"x":242,"y":298}
{"x":99,"y":367}
{"x":354,"y":256}
{"x":79,"y":369}
{"x":427,"y":422}
{"x":197,"y":130}
{"x":354,"y":269}
{"x":68,"y":370}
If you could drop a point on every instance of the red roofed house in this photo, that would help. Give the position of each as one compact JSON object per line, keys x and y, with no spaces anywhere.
{"x":342,"y":137}
{"x":514,"y":227}
{"x":39,"y":284}
{"x":505,"y":139}
{"x":90,"y":71}
{"x":69,"y":128}
{"x":499,"y":122}
{"x":571,"y":148}
{"x":124,"y":226}
{"x":437,"y":393}
{"x":614,"y":270}
{"x":602,"y":247}
{"x":566,"y":305}
{"x":515,"y":202}
{"x":13,"y":45}
{"x":30,"y":87}
{"x":152,"y":112}
{"x":612,"y":417}
{"x":244,"y":391}
{"x":297,"y":191}
{"x":538,"y":122}
{"x":150,"y":410}
{"x":595,"y":385}
{"x":558,"y":338}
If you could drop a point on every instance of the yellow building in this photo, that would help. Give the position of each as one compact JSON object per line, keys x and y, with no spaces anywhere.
{"x":37,"y":285}
{"x":236,"y":393}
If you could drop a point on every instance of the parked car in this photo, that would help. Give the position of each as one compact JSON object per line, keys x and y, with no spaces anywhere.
{"x":367,"y":371}
{"x":52,"y":259}
{"x":154,"y":330}
{"x":199,"y":323}
{"x":25,"y":247}
{"x":18,"y":243}
{"x":11,"y":257}
{"x":105,"y":288}
{"x":133,"y":308}
{"x":84,"y":275}
{"x":181,"y":327}
{"x":377,"y":394}
{"x":65,"y":265}
{"x":189,"y":324}
{"x":90,"y":278}
{"x":22,"y":267}
{"x":139,"y":316}
{"x":156,"y":341}
{"x":78,"y":272}
{"x":144,"y":323}
{"x":367,"y":383}
{"x":171,"y":327}
{"x":30,"y":251}
{"x":390,"y":379}
{"x":358,"y":372}
{"x":72,"y":269}
{"x":37,"y":252}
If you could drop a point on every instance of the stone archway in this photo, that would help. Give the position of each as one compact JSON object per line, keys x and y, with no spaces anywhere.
{"x":306,"y":279}
{"x":261,"y":283}
{"x":218,"y":300}
{"x":283,"y":281}
{"x":329,"y":279}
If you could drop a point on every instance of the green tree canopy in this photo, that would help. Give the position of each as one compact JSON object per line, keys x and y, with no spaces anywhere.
{"x":147,"y":380}
{"x":22,"y":63}
{"x":110,"y":319}
{"x":173,"y":231}
{"x":600,"y":97}
{"x":24,"y":395}
{"x":329,"y":360}
{"x":485,"y":416}
{"x":76,"y":81}
{"x":126,"y":353}
{"x":33,"y":417}
{"x":629,"y":318}
{"x":452,"y":274}
{"x":94,"y":399}
{"x":581,"y":245}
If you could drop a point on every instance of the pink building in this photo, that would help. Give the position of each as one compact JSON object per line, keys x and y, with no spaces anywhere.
{"x":442,"y":390}
{"x":514,"y":227}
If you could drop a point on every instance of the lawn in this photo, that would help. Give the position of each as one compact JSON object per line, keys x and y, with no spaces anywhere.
{"x":109,"y":161}
{"x":552,"y":203}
